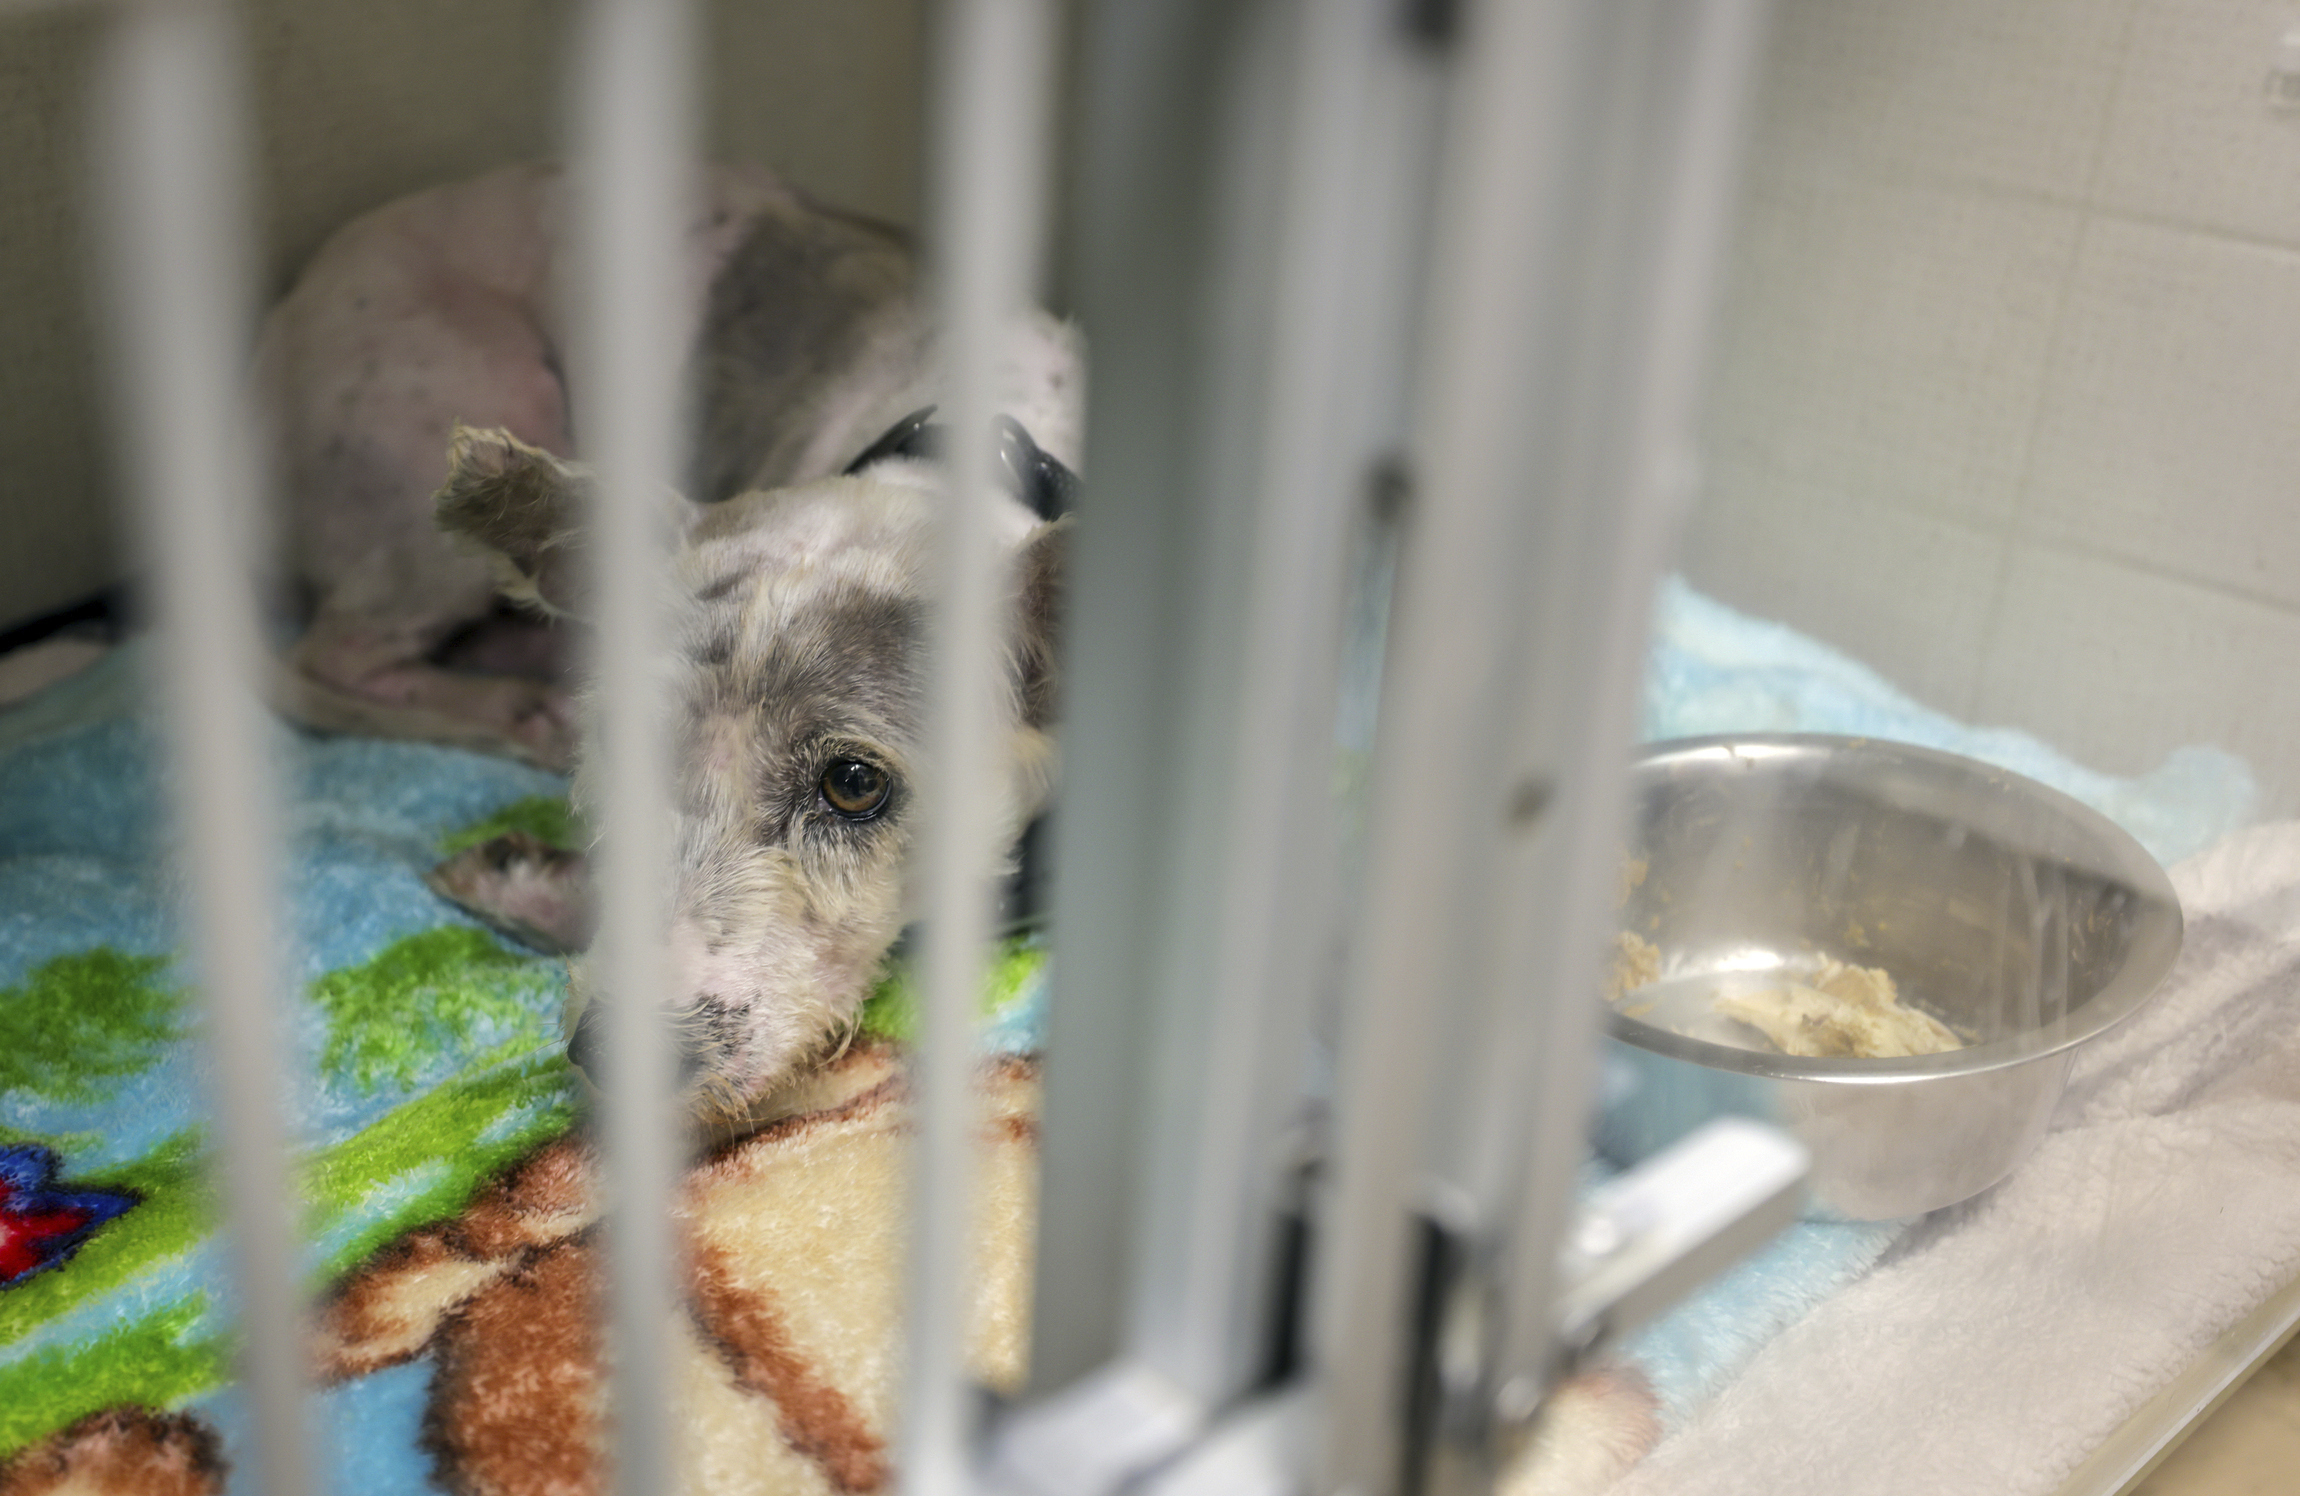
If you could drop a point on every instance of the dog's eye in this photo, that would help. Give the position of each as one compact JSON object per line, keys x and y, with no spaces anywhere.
{"x":855,"y":789}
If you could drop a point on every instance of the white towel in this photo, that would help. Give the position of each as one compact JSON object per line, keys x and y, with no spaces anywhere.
{"x":2005,"y":1339}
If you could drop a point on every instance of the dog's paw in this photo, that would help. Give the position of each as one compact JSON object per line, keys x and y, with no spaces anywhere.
{"x":537,"y":894}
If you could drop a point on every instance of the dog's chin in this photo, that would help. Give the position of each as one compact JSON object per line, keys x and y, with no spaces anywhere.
{"x":716,"y":1106}
{"x":730,"y":1103}
{"x":714,"y":1109}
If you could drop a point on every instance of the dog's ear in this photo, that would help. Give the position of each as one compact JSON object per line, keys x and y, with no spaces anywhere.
{"x":526,"y":512}
{"x":522,"y":509}
{"x":1039,"y":598}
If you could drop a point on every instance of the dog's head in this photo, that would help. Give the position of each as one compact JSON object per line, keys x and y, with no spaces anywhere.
{"x":799,"y":653}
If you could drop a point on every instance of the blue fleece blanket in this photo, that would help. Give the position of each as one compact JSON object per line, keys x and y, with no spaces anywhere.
{"x":428,"y":1049}
{"x":429,"y":1045}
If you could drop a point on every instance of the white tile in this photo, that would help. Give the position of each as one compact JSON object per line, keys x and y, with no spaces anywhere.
{"x":2192,"y":136}
{"x":2117,"y":667}
{"x":1890,"y":341}
{"x":1969,"y":90}
{"x":2170,"y":431}
{"x":1904,"y":593}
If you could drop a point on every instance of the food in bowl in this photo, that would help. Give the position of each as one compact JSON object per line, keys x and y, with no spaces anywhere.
{"x":1843,"y":1011}
{"x":1636,"y":964}
{"x":1848,"y":1011}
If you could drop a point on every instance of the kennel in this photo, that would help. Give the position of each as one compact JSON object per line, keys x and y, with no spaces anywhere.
{"x":1471,"y":384}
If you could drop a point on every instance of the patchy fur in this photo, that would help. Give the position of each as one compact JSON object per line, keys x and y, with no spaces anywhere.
{"x":439,"y":309}
{"x":799,"y":645}
{"x":537,"y":894}
{"x":428,"y":329}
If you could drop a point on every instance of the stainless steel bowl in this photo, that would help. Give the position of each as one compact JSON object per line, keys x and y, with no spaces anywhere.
{"x":2027,"y":922}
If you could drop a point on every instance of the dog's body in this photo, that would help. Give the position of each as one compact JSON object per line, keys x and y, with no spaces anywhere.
{"x":442,"y":309}
{"x":803,"y":588}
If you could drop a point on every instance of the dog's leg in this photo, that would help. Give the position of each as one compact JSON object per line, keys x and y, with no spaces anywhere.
{"x":390,"y":590}
{"x":349,"y":675}
{"x":510,"y":641}
{"x":431,"y":310}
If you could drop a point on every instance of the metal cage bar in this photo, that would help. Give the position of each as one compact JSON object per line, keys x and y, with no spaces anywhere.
{"x":1136,"y":224}
{"x":989,"y":164}
{"x":1492,"y":268}
{"x":633,"y":141}
{"x":174,"y":209}
{"x":1248,"y":221}
{"x":1694,"y":65}
{"x":1286,"y":461}
{"x":1245,"y":215}
{"x":1590,"y":173}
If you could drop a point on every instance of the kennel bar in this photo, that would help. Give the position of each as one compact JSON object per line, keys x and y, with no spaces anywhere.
{"x":1593,"y":154}
{"x":1246,"y":262}
{"x":1286,"y":442}
{"x":168,"y":116}
{"x":1456,"y":614}
{"x":1514,"y":271}
{"x":171,"y":146}
{"x":632,"y":130}
{"x":989,"y":162}
{"x":1671,"y":101}
{"x":1283,"y":467}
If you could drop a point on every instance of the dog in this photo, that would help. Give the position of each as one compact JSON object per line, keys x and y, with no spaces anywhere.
{"x":435,"y":512}
{"x":807,"y":342}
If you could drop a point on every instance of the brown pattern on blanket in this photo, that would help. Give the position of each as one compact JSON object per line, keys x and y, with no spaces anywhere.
{"x":516,"y":1401}
{"x":788,"y":1369}
{"x":788,"y":1373}
{"x":817,"y":1421}
{"x":120,"y":1450}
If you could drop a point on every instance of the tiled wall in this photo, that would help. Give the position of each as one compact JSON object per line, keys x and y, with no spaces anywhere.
{"x":2009,"y":389}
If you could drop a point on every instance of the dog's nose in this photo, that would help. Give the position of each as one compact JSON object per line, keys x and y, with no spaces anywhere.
{"x":583,"y":1044}
{"x":583,"y":1052}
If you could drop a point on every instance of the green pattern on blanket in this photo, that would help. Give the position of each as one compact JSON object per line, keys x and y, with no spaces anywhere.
{"x":79,"y":1025}
{"x":449,"y":1141}
{"x":891,"y":1011}
{"x":156,"y":1361}
{"x":430,"y":1156}
{"x":425,"y":996}
{"x":80,"y":1022}
{"x":547,"y":818}
{"x":460,"y":1023}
